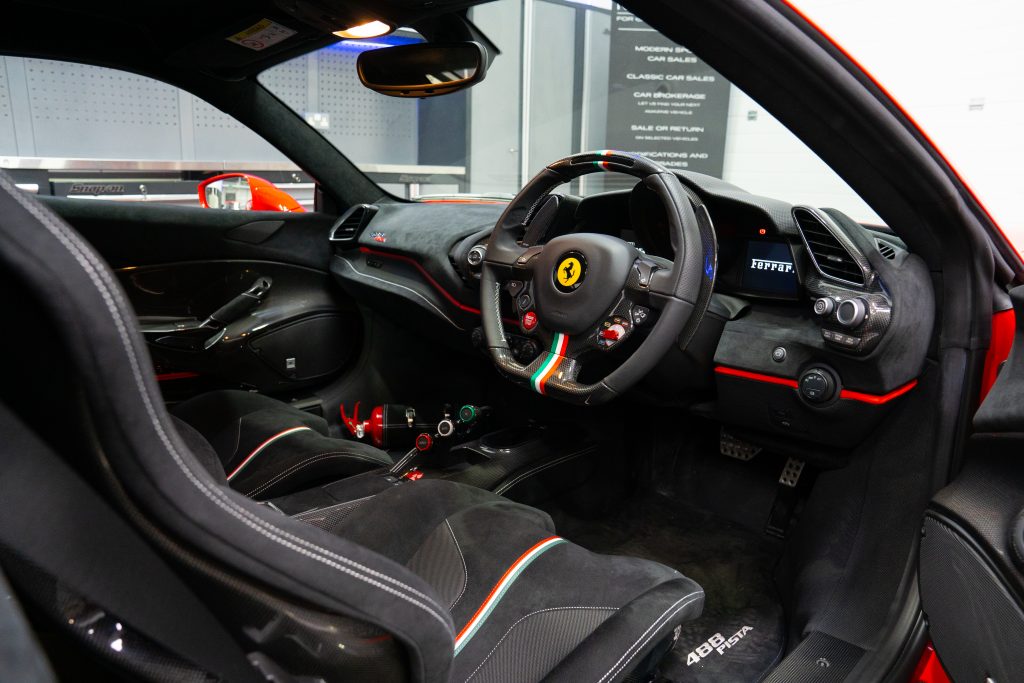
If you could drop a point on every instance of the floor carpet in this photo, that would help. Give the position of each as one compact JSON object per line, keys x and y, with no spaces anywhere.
{"x":741,"y":633}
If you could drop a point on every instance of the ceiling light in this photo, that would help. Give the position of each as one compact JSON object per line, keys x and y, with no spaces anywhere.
{"x":370,"y":29}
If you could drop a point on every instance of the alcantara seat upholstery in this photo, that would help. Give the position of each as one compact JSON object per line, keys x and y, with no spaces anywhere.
{"x":267,"y":448}
{"x":425,"y":581}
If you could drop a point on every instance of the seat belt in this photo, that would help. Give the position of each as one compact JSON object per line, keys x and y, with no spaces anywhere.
{"x":51,"y":518}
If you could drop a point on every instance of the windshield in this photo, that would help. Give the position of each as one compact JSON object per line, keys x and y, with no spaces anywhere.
{"x":571,"y":77}
{"x":954,"y":67}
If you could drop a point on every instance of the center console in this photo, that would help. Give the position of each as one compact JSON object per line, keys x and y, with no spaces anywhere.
{"x":528,"y":463}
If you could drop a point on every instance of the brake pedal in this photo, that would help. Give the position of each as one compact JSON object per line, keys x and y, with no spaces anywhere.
{"x":791,"y":472}
{"x":736,"y":448}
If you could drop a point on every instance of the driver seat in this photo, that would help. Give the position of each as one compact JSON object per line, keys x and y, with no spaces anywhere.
{"x":113,"y":521}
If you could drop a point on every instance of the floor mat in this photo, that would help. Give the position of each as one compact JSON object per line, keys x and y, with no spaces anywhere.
{"x":741,"y":633}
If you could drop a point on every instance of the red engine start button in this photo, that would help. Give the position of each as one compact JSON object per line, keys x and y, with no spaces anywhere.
{"x":529,"y":320}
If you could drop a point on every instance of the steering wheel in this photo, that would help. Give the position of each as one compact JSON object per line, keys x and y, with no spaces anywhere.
{"x":585,"y":292}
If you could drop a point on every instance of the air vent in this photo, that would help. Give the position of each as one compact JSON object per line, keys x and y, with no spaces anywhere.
{"x":352,"y":222}
{"x":830,"y":256}
{"x":885,"y":249}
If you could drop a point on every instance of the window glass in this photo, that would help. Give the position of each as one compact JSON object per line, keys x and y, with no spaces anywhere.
{"x":571,"y":77}
{"x":87,"y":131}
{"x":955,"y":67}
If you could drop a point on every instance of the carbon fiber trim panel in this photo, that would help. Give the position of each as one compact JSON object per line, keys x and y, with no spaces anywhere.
{"x":875,"y":325}
{"x":537,"y":642}
{"x":830,"y":226}
{"x":976,"y":623}
{"x":820,"y":658}
{"x":330,"y":518}
{"x":441,"y":563}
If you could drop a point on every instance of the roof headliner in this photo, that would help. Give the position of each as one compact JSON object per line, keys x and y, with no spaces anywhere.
{"x":192,"y":34}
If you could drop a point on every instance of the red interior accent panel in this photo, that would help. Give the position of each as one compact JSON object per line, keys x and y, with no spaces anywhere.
{"x":433,"y":283}
{"x":168,"y":376}
{"x":875,"y":399}
{"x":1004,"y":324}
{"x":844,"y":394}
{"x":929,"y":668}
{"x":756,"y":376}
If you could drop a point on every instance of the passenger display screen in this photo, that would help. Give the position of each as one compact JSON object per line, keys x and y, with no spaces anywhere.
{"x":769,"y":269}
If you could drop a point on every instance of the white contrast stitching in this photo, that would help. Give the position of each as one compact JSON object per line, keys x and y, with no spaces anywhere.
{"x":238,"y":438}
{"x":319,"y":457}
{"x":674,"y":609}
{"x":540,"y":611}
{"x":109,"y":292}
{"x":465,"y":569}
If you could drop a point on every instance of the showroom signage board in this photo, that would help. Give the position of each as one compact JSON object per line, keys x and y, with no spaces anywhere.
{"x":663,"y":102}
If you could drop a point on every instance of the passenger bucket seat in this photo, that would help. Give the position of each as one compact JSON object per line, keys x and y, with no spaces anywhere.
{"x":113,"y":531}
{"x":267,"y":448}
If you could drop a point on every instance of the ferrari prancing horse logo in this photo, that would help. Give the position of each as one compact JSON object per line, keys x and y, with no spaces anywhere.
{"x":570,"y":271}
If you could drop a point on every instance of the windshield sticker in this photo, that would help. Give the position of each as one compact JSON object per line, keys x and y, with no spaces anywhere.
{"x":262,"y":35}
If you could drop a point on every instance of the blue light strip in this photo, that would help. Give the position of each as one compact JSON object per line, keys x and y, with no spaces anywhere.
{"x":374,"y":44}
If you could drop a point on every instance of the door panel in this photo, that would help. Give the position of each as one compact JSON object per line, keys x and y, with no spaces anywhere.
{"x":140,"y":233}
{"x":302,"y":332}
{"x":294,"y":330}
{"x":972,"y":548}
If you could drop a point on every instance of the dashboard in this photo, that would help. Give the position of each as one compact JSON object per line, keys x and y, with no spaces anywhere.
{"x":817,"y":327}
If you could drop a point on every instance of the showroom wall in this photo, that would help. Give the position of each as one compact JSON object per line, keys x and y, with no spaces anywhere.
{"x":567,"y":106}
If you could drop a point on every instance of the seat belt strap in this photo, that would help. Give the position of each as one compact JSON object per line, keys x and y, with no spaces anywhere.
{"x":50,"y":517}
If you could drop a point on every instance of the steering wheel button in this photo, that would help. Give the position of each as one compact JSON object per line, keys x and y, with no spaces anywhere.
{"x":525,"y":301}
{"x":611,"y":334}
{"x":529,"y":321}
{"x":640,"y":314}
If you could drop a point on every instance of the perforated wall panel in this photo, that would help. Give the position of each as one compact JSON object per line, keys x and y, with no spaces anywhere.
{"x":290,"y":81}
{"x":75,"y":110}
{"x":370,"y":128}
{"x":91,"y":112}
{"x":8,"y":143}
{"x":219,"y":137}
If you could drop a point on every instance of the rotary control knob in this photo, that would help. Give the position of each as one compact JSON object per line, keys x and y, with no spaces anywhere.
{"x":614,"y":330}
{"x":824,"y":306}
{"x":817,"y":385}
{"x":851,"y":312}
{"x":476,"y":256}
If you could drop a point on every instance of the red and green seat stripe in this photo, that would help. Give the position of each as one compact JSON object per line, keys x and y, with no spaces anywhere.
{"x":501,"y":588}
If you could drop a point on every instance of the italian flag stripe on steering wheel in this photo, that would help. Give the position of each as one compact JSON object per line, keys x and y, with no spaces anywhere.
{"x":554,"y":359}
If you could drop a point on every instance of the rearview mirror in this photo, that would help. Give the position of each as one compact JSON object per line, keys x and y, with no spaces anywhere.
{"x":422,"y":69}
{"x":244,"y":192}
